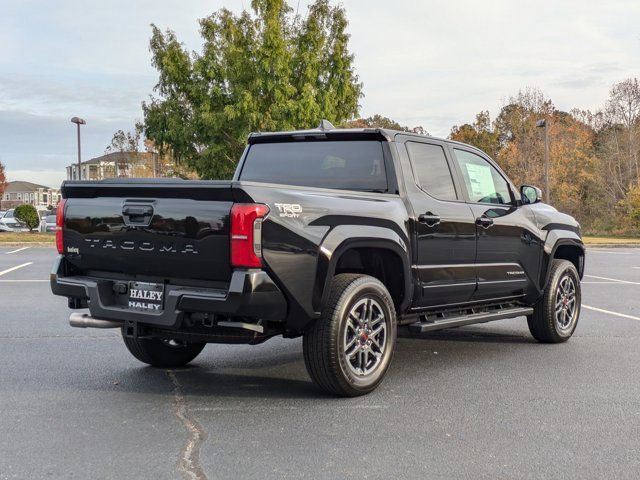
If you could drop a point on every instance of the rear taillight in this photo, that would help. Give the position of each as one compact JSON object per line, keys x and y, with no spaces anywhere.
{"x":59,"y":225}
{"x":246,"y":234}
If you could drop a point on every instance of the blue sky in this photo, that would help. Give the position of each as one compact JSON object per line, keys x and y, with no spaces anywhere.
{"x":429,"y":63}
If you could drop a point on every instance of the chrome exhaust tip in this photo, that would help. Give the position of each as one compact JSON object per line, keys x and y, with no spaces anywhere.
{"x":84,"y":320}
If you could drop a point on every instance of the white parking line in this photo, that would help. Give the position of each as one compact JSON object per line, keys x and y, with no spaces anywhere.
{"x":4,"y":272}
{"x":609,"y":312}
{"x":613,"y":280}
{"x":24,"y":281}
{"x":592,"y":250}
{"x":16,"y":251}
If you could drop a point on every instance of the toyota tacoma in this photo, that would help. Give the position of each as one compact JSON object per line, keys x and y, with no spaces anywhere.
{"x":340,"y":236}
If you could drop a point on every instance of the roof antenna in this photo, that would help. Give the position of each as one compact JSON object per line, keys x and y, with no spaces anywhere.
{"x":326,"y":125}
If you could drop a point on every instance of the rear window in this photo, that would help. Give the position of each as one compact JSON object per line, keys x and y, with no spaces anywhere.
{"x":50,"y":219}
{"x":346,"y":165}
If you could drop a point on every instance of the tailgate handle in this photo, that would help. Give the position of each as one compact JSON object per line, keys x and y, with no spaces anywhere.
{"x":137,"y":215}
{"x":137,"y":211}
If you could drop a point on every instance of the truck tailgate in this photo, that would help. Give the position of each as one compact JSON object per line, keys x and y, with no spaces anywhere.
{"x":167,"y":229}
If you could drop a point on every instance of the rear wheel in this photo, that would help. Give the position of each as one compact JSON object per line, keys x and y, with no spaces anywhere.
{"x":555,"y":316}
{"x":163,"y":353}
{"x":348,"y":351}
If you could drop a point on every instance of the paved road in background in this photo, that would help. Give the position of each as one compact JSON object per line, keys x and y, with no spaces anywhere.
{"x":477,"y":402}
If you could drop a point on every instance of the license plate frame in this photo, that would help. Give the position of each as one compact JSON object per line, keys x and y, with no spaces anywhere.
{"x":146,"y":297}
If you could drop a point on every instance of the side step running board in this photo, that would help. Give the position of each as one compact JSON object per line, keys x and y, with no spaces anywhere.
{"x":460,"y":321}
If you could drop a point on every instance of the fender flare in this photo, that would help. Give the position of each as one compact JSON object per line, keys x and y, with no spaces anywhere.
{"x":554,"y":240}
{"x":346,"y":237}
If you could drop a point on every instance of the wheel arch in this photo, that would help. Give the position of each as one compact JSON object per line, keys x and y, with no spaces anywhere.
{"x":566,"y":246}
{"x":376,"y":251}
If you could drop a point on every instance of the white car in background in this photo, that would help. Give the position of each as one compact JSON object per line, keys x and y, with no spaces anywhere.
{"x":9,"y":223}
{"x":48,"y":224}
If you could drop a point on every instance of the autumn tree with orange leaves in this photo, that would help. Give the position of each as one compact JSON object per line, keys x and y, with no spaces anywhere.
{"x":594,"y":157}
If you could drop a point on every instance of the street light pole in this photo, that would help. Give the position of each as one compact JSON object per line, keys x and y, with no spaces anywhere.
{"x":547,"y":192}
{"x":79,"y":121}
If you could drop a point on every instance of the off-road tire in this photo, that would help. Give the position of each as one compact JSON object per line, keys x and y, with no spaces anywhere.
{"x":325,"y":355}
{"x":543,"y":324}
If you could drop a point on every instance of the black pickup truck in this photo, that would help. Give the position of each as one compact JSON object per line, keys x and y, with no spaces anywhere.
{"x":337,"y":235}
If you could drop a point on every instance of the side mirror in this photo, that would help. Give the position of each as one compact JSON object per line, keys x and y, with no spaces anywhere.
{"x":530,"y":194}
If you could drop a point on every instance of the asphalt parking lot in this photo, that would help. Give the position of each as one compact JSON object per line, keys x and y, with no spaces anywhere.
{"x":477,"y":402}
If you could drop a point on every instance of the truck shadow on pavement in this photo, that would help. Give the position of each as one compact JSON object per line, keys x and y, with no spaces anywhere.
{"x":279,"y":373}
{"x":467,"y":335}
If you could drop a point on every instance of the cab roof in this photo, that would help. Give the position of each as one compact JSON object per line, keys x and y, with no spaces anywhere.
{"x":327,"y":131}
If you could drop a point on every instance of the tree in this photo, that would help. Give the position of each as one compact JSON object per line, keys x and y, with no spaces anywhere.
{"x":263,"y":70}
{"x":376,"y":121}
{"x":623,"y":110}
{"x":125,"y":146}
{"x":575,"y":184}
{"x":521,"y":142}
{"x":380,"y":121}
{"x":481,"y":134}
{"x":28,"y":215}
{"x":138,"y":164}
{"x":630,"y":207}
{"x":618,"y":140}
{"x":515,"y":142}
{"x":126,"y":141}
{"x":165,"y":164}
{"x":572,"y":160}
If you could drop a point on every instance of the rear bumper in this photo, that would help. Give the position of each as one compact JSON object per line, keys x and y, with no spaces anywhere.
{"x":251,"y":293}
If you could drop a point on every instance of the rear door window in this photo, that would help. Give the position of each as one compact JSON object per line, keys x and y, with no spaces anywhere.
{"x":344,"y":165}
{"x":432,"y":170}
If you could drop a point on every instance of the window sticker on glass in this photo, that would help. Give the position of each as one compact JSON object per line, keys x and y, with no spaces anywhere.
{"x":480,"y":179}
{"x":330,"y":162}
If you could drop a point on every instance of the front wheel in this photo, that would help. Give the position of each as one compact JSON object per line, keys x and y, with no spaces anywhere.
{"x":348,"y":351}
{"x":555,"y":316}
{"x":163,"y":353}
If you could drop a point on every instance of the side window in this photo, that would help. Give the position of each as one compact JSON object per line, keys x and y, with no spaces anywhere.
{"x":431,"y":170}
{"x":483,"y":182}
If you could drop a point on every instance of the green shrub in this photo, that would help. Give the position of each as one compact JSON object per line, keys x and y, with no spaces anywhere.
{"x":633,"y":206}
{"x":28,"y":215}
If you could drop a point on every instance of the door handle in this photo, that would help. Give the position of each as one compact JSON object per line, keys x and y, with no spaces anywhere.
{"x":429,"y":219}
{"x":484,"y":221}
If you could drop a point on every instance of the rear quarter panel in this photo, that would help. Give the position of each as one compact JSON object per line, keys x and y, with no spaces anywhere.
{"x":297,"y":234}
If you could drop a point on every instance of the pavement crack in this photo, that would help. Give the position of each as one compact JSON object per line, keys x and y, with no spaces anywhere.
{"x":189,"y":459}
